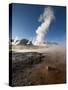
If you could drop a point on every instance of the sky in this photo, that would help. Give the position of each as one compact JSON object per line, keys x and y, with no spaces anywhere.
{"x":25,"y":22}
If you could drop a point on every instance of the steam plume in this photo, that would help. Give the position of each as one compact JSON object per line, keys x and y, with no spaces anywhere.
{"x":46,"y":19}
{"x":15,"y":42}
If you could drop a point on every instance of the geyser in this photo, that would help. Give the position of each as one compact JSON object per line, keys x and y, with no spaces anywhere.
{"x":46,"y":18}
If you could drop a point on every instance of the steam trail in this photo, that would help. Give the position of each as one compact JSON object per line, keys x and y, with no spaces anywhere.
{"x":46,"y":19}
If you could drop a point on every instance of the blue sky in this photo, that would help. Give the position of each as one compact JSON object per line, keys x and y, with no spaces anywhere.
{"x":25,"y":22}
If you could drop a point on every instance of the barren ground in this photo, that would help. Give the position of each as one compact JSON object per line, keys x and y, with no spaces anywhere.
{"x":40,"y":66}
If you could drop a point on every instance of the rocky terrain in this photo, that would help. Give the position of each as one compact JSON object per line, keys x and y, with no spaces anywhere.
{"x":39,"y":67}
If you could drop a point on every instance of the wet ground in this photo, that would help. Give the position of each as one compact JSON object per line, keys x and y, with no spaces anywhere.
{"x":36,"y":68}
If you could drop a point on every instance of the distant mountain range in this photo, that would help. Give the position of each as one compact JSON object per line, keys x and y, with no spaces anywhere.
{"x":27,"y":42}
{"x":20,"y":42}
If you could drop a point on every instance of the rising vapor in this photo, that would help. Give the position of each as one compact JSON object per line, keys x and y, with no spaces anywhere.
{"x":16,"y":42}
{"x":45,"y":19}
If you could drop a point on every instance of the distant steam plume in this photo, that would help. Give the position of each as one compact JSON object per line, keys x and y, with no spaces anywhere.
{"x":15,"y":42}
{"x":46,"y":19}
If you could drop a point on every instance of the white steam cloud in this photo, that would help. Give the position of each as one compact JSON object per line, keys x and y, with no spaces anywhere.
{"x":15,"y":42}
{"x":46,"y":19}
